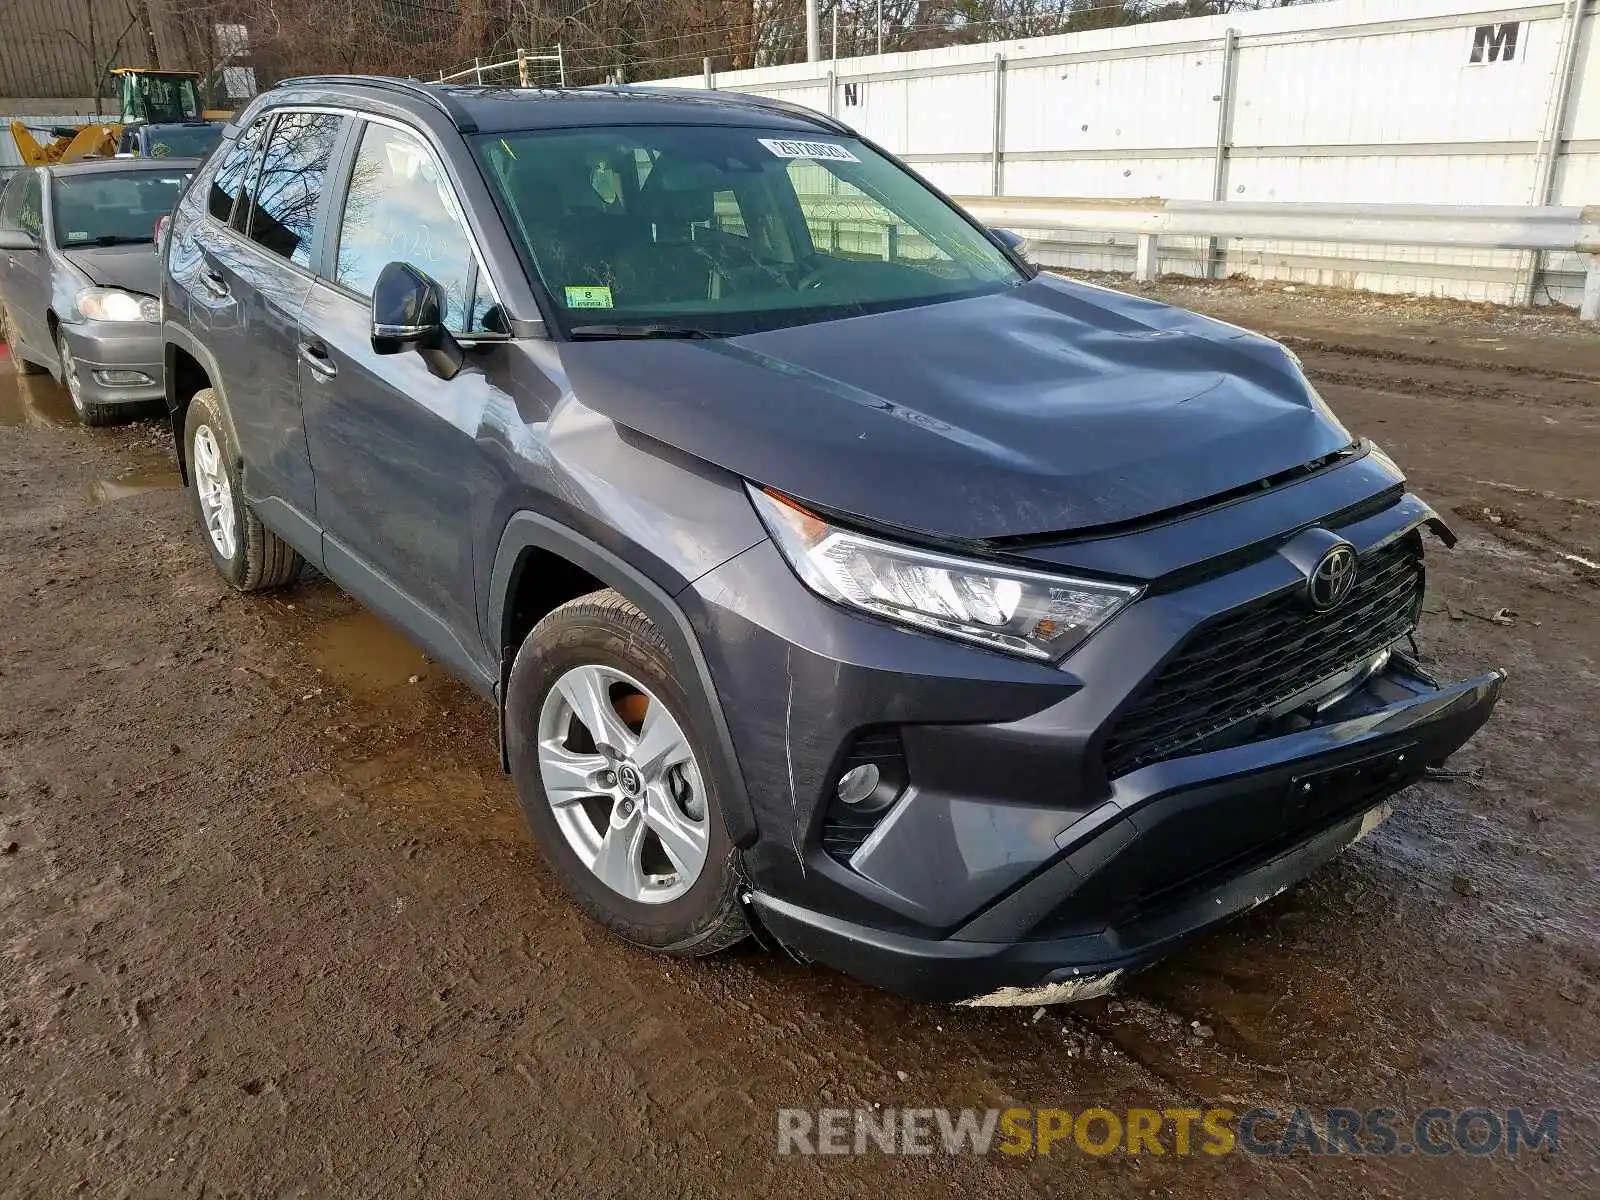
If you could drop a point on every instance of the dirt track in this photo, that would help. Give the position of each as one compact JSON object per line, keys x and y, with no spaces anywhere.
{"x":272,"y":926}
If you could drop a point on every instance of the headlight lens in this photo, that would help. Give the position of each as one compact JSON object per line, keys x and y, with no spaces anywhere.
{"x":1022,"y":612}
{"x":110,"y":304}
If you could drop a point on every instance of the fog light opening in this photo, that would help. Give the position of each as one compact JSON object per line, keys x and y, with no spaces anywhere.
{"x":117,"y":378}
{"x":858,"y":783}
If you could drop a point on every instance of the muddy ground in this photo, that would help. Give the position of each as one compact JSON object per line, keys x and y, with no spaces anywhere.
{"x":270,"y":924}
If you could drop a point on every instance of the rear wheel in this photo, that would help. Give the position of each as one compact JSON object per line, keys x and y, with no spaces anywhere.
{"x":245,"y":552}
{"x":613,"y":784}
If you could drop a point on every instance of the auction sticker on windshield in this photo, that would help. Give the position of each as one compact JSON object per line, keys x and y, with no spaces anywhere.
{"x":789,"y":149}
{"x":590,"y":296}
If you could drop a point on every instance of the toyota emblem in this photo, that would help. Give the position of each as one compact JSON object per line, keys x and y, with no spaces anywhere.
{"x":1332,"y":578}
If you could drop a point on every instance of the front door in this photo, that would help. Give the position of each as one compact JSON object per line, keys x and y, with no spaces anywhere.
{"x":27,"y":282}
{"x":395,"y":447}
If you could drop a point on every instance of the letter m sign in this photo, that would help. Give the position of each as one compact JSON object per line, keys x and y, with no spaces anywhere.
{"x":1494,"y":43}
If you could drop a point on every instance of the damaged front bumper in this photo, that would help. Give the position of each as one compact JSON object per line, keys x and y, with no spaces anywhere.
{"x":1178,"y":847}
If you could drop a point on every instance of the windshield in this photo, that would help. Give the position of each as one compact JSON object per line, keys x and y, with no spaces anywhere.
{"x":181,"y":141}
{"x":729,"y":230}
{"x":104,"y":209}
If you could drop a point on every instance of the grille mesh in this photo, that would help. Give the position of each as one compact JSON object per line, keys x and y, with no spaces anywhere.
{"x":1246,"y":662}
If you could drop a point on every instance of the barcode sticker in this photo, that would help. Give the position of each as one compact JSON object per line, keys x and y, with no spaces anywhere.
{"x":791,"y":149}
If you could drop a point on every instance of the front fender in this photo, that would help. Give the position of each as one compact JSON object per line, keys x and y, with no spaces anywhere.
{"x":529,"y":530}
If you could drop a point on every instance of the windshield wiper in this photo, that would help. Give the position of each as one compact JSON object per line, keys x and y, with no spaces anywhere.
{"x":109,"y":239}
{"x":657,"y":330}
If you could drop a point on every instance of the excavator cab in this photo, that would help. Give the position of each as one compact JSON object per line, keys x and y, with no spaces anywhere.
{"x":159,"y":97}
{"x":148,"y":98}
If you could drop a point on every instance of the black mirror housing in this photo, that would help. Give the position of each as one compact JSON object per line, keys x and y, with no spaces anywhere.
{"x":408,"y":311}
{"x":1010,"y":239}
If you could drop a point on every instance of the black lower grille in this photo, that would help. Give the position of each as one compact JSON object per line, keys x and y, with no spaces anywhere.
{"x":1243,"y":664}
{"x":845,"y":827}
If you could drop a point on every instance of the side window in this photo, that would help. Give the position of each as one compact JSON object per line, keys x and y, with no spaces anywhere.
{"x":227,"y":181}
{"x":289,"y":185}
{"x":30,"y":216}
{"x":401,"y":208}
{"x":11,"y":205}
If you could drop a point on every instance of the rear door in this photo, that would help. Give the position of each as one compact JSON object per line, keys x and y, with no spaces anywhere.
{"x":270,"y":274}
{"x":395,"y":447}
{"x":248,"y":278}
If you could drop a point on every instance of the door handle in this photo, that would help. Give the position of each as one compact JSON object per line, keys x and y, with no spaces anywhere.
{"x":214,"y":283}
{"x":315,"y":356}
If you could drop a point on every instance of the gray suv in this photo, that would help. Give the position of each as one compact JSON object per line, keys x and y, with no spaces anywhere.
{"x":833,"y":574}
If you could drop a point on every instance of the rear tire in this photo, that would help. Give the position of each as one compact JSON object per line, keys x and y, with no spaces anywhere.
{"x":244,"y":551}
{"x":680,"y":892}
{"x":18,"y":364}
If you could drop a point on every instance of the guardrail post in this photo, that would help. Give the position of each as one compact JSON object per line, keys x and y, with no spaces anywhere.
{"x":1591,"y":291}
{"x":1145,"y":264}
{"x":997,"y":134}
{"x":522,"y":68}
{"x":711,"y":76}
{"x":1224,"y":147}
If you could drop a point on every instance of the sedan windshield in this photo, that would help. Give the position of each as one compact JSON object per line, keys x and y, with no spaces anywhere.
{"x":716,"y":230}
{"x":105,"y":209}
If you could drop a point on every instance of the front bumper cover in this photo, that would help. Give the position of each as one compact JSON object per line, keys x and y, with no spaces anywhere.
{"x":1249,"y":820}
{"x":100,"y":346}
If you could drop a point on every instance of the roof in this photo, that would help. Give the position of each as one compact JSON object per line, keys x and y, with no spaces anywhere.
{"x":119,"y":166}
{"x":476,"y":109}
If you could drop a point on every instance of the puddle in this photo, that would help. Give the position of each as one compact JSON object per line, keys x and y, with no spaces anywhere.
{"x":134,"y":483}
{"x":33,"y":400}
{"x":359,"y":651}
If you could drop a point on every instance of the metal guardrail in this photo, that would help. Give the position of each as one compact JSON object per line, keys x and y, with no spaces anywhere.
{"x":1569,"y":230}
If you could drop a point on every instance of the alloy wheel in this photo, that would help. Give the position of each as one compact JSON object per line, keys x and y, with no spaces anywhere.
{"x":622,"y":781}
{"x":69,"y":375}
{"x":216,"y":493}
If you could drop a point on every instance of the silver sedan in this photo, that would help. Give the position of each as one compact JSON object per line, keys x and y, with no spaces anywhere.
{"x":79,"y":277}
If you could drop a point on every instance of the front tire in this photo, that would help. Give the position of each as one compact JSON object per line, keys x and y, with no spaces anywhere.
{"x":244,"y":551}
{"x":90,"y":412}
{"x":613,"y":783}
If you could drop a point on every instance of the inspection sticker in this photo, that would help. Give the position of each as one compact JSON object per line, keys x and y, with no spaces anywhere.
{"x":784,"y":148}
{"x":594,"y":295}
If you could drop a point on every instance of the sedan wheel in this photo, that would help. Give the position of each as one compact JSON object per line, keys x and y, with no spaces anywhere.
{"x":69,"y":375}
{"x":623,"y":784}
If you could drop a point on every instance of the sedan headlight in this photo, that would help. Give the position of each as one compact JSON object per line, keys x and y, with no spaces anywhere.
{"x":1027,"y":613}
{"x":111,"y":304}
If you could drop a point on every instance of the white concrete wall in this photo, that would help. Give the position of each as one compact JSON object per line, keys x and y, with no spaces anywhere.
{"x":1349,"y":100}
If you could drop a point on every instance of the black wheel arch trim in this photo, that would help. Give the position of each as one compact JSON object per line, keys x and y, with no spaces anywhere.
{"x":177,"y":338}
{"x":529,"y":530}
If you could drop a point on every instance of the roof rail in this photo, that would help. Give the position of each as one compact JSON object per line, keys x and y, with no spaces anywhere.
{"x":753,"y":101}
{"x":394,"y":83}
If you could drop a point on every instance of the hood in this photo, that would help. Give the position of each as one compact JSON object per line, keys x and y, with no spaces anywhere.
{"x":135,"y":267}
{"x":1048,"y":408}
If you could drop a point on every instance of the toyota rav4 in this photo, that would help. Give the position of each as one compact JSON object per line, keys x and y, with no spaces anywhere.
{"x":835,"y":574}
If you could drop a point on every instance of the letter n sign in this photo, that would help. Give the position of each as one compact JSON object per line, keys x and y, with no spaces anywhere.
{"x":1494,"y":43}
{"x":852,"y":95}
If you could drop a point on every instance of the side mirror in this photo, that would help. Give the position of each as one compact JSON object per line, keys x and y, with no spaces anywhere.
{"x":408,"y":311}
{"x":1010,"y":239}
{"x":17,"y":239}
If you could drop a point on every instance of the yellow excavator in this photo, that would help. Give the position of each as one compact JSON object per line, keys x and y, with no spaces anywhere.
{"x":151,"y":101}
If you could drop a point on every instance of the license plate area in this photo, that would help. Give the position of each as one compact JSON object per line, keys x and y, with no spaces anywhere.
{"x":1318,"y":794}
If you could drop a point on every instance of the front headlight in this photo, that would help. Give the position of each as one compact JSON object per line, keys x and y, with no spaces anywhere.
{"x":1022,"y":612}
{"x":110,"y":304}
